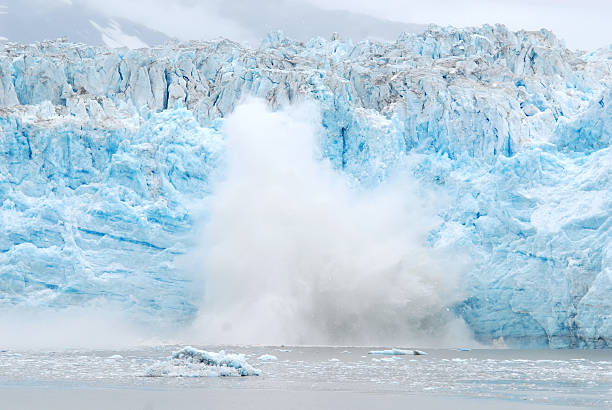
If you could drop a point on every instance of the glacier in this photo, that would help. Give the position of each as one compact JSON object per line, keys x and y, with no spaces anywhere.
{"x":106,"y":154}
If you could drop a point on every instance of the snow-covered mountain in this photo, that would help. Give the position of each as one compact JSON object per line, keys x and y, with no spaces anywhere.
{"x":27,"y":21}
{"x":105,"y":152}
{"x":155,"y":23}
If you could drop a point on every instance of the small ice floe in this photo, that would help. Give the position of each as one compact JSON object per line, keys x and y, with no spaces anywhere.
{"x":334,"y":360}
{"x":115,"y":356}
{"x":191,"y":362}
{"x":267,"y":358}
{"x":397,"y":352}
{"x":463,"y":349}
{"x":386,"y":359}
{"x":284,"y":350}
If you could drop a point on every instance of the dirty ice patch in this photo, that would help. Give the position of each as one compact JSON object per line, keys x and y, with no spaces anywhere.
{"x":191,"y":362}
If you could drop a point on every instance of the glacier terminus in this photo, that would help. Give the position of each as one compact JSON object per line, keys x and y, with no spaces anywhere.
{"x":105,"y":155}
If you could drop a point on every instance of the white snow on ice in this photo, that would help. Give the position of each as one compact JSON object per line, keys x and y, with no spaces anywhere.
{"x":267,"y":358}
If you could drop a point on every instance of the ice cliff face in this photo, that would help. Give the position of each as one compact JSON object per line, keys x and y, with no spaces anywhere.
{"x":104,"y":154}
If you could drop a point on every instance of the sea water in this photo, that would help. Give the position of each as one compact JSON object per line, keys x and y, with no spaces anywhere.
{"x":463,"y":377}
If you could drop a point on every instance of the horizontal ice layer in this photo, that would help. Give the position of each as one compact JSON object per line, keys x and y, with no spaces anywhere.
{"x":91,"y":213}
{"x":104,"y":154}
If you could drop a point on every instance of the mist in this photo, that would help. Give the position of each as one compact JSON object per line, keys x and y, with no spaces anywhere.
{"x":75,"y":327}
{"x":294,"y":253}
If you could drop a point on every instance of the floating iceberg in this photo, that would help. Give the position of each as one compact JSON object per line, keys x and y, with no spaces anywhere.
{"x":397,"y":352}
{"x":191,"y":362}
{"x":267,"y":358}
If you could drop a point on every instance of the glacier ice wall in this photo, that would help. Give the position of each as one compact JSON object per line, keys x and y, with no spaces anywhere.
{"x":106,"y":154}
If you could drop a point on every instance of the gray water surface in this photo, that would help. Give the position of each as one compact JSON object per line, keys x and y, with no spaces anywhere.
{"x":306,"y":375}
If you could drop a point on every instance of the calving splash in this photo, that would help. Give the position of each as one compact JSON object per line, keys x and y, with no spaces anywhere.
{"x":295,"y":252}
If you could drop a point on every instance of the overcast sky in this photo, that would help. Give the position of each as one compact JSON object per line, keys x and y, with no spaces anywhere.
{"x":584,"y":24}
